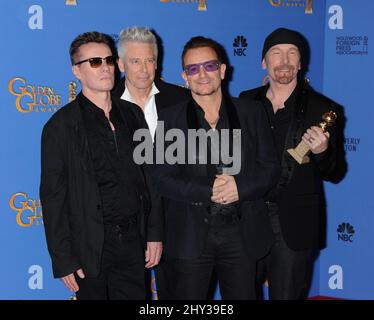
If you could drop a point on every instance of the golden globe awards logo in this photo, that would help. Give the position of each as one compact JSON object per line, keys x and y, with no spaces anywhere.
{"x":307,"y":4}
{"x":28,"y":211}
{"x":201,"y":7}
{"x":33,"y":98}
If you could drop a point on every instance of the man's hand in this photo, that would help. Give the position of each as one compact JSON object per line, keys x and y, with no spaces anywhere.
{"x":225,"y":190}
{"x":70,"y":281}
{"x":153,"y":254}
{"x":316,"y":139}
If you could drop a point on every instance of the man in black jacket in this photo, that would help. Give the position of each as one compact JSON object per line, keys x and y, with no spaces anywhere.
{"x":145,"y":96}
{"x":296,"y":205}
{"x":95,"y":199}
{"x":215,"y":217}
{"x":139,"y":89}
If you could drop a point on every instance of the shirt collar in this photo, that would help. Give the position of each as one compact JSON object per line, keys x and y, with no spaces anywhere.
{"x":90,"y":107}
{"x":222,"y":109}
{"x":127,"y":96}
{"x":222,"y":114}
{"x":289,"y":103}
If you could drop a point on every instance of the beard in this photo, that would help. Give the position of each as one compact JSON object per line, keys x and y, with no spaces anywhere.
{"x":284,"y":74}
{"x":206,"y":93}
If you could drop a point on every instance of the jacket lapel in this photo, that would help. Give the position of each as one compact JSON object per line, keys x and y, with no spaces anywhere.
{"x":192,"y":121}
{"x":294,"y":134}
{"x":232,"y":114}
{"x":80,"y":136}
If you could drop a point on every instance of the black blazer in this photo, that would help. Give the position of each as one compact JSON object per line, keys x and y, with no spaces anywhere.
{"x":187,"y":192}
{"x":301,"y":198}
{"x":72,"y":208}
{"x":168,"y":96}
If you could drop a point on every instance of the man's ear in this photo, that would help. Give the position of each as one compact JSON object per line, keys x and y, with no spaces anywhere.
{"x":121,"y":65}
{"x":184,"y":76}
{"x":264,"y":65}
{"x":76,"y":72}
{"x":223,"y":71}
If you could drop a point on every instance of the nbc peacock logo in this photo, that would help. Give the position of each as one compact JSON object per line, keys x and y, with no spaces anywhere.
{"x":240,"y":46}
{"x":345,"y":232}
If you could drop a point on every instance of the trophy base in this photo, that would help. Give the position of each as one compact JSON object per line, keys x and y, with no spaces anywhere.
{"x":301,"y":159}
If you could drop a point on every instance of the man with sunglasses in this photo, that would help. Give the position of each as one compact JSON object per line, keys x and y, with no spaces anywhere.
{"x":214,"y":221}
{"x":95,"y":199}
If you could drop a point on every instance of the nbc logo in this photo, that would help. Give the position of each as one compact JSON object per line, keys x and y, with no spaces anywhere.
{"x":345,"y":232}
{"x":240,"y":46}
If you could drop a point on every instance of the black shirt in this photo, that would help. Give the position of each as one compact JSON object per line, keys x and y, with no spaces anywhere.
{"x":111,"y":153}
{"x":281,"y":120}
{"x":280,"y":123}
{"x":213,"y":146}
{"x":213,"y":169}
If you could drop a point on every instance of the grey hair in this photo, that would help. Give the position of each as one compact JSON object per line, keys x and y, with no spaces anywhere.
{"x":136,"y":34}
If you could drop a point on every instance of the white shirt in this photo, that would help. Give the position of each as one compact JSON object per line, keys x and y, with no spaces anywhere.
{"x":150,"y":110}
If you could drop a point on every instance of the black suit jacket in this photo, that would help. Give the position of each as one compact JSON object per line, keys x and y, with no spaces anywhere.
{"x":72,"y":209}
{"x":168,"y":96}
{"x":187,"y":192}
{"x":300,"y":191}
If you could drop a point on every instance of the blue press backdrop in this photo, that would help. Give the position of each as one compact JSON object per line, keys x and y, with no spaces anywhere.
{"x":35,"y":79}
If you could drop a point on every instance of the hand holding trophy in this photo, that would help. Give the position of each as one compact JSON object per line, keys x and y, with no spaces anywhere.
{"x":300,"y":153}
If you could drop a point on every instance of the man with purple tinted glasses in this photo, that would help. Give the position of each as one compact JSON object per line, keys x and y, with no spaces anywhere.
{"x":214,"y":221}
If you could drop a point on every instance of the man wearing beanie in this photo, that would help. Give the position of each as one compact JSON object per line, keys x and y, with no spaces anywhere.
{"x":296,"y":206}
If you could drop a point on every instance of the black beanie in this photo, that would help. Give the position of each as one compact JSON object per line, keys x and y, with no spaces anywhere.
{"x":280,"y":36}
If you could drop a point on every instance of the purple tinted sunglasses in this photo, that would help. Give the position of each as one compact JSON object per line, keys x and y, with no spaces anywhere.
{"x":209,"y":66}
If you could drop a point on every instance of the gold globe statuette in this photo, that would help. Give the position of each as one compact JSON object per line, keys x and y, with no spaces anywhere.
{"x":72,"y":90}
{"x":202,"y":5}
{"x":308,"y":7}
{"x":300,"y":153}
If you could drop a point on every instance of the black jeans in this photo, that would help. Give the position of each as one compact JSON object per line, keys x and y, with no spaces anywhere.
{"x":284,"y":268}
{"x":122,"y":275}
{"x":224,"y":253}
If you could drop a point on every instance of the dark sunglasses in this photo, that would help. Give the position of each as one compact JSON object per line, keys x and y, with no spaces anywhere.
{"x":96,"y":62}
{"x":209,"y":66}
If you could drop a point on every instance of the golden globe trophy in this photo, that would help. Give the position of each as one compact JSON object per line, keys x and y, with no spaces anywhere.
{"x":202,"y":5}
{"x":308,"y":7}
{"x":300,"y":153}
{"x":72,"y":90}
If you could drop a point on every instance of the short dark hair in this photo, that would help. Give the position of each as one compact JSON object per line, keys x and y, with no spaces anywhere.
{"x":89,"y":37}
{"x":201,"y":42}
